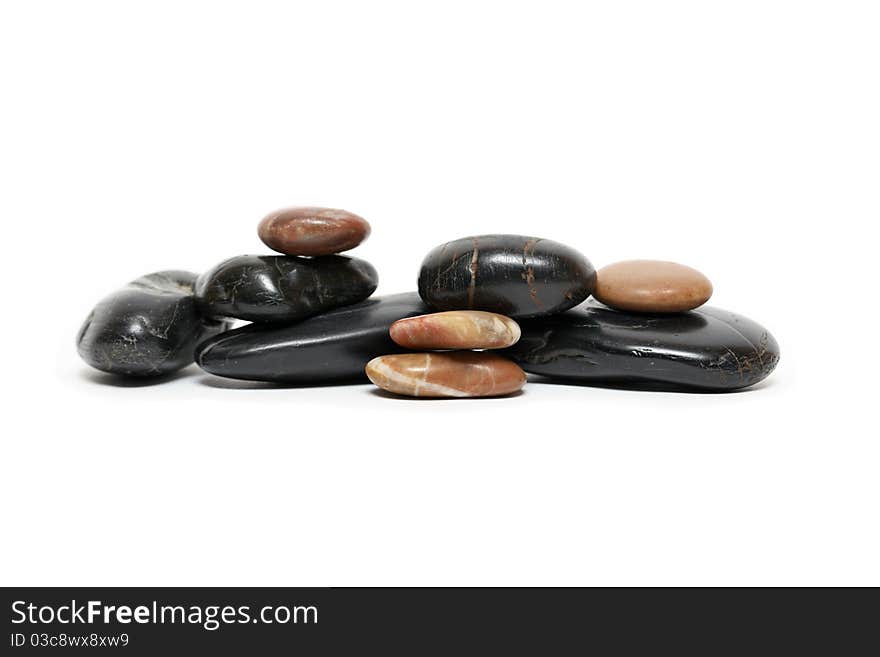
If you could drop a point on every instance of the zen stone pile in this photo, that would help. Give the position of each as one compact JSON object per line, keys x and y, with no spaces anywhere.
{"x":489,"y":309}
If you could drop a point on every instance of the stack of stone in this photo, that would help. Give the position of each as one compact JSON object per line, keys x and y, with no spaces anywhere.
{"x":648,"y":328}
{"x":308,"y":280}
{"x":480,"y":284}
{"x":644,"y":327}
{"x":488,"y":309}
{"x":154,"y":324}
{"x":464,"y":372}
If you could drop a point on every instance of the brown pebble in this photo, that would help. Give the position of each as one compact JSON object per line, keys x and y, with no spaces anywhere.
{"x":456,"y":329}
{"x":312,"y":231}
{"x":651,"y":286}
{"x":453,"y":374}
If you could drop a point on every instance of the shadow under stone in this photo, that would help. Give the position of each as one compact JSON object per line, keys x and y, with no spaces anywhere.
{"x":643,"y":386}
{"x":121,"y":381}
{"x":378,"y":392}
{"x":221,"y":383}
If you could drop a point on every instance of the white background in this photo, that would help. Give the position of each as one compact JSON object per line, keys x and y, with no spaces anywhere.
{"x":740,"y":138}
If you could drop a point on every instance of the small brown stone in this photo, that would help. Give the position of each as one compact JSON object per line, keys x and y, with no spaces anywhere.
{"x":652,"y":286}
{"x":456,"y":329}
{"x":453,"y":374}
{"x":312,"y":231}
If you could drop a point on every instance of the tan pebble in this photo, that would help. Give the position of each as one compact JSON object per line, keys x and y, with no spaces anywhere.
{"x":453,"y":374}
{"x":651,"y":286}
{"x":456,"y":329}
{"x":312,"y":231}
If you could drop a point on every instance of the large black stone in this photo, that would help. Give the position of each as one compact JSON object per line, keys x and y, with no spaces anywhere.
{"x":332,"y":347}
{"x":513,"y":275}
{"x":149,"y":327}
{"x":283,"y":288}
{"x":705,"y":349}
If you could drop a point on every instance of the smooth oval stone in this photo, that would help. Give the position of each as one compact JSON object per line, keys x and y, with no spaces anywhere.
{"x":283,"y":288}
{"x":328,"y":348}
{"x":456,"y":329}
{"x":651,"y":286}
{"x":312,"y":231}
{"x":149,"y":327}
{"x":451,"y":374}
{"x":512,"y":275}
{"x":705,"y":349}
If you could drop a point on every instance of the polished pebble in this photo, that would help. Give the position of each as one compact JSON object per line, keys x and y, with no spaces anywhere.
{"x":148,"y":328}
{"x":513,"y":275}
{"x":329,"y":348}
{"x":452,"y":374}
{"x":651,"y":286}
{"x":312,"y":231}
{"x":283,"y":288}
{"x":456,"y":329}
{"x":704,"y":349}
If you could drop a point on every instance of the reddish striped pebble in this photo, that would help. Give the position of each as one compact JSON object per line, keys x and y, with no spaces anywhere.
{"x":456,"y":329}
{"x":452,"y":374}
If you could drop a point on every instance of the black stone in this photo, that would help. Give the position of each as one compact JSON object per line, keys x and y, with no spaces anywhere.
{"x":513,"y":275}
{"x":149,"y":327}
{"x":332,"y":347}
{"x":283,"y":288}
{"x":705,"y":349}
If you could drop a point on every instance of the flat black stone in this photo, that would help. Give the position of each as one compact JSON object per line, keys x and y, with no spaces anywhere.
{"x":283,"y":288}
{"x":328,"y":348}
{"x":150,"y":327}
{"x":704,"y":349}
{"x":513,"y":275}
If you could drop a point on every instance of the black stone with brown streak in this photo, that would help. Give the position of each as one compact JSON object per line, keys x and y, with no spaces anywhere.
{"x":150,"y":327}
{"x":283,"y":288}
{"x":705,"y":349}
{"x":513,"y":275}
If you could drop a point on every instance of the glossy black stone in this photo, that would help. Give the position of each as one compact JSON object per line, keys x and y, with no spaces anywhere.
{"x":332,"y":347}
{"x":513,"y":275}
{"x":149,"y":327}
{"x":283,"y":288}
{"x":705,"y":349}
